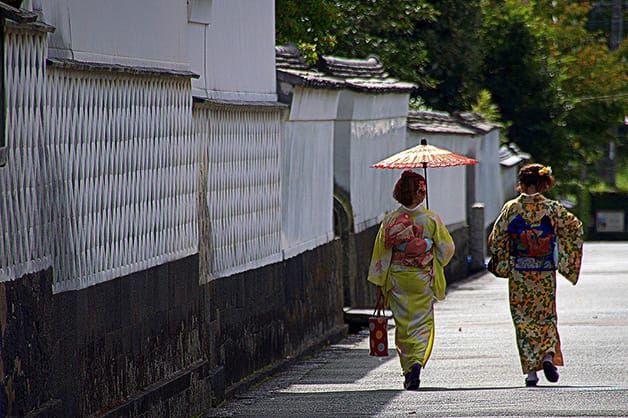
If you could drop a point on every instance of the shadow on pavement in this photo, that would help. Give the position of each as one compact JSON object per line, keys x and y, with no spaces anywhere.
{"x":446,"y":389}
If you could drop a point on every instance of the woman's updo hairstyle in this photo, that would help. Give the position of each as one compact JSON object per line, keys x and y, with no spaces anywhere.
{"x":407,"y":187}
{"x":536,"y":175}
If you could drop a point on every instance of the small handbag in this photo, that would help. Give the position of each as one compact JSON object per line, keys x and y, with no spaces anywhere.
{"x":378,"y":331}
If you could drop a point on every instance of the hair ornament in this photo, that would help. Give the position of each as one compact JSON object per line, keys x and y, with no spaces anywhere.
{"x":545,"y":171}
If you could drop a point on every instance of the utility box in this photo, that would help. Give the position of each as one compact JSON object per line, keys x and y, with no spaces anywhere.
{"x":610,"y":216}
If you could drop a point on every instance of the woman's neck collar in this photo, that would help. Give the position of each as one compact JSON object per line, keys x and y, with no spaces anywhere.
{"x":412,"y":209}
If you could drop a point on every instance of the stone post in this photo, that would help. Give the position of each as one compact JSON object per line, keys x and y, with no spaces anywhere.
{"x":477,"y":239}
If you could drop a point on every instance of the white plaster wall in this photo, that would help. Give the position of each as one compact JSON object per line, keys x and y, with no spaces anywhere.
{"x":364,"y":106}
{"x":307,"y":182}
{"x":447,"y":185}
{"x":314,"y":104}
{"x":238,"y":45}
{"x":307,"y":186}
{"x":369,"y":128}
{"x":488,"y":182}
{"x":149,"y":33}
{"x":509,"y":181}
{"x":371,"y":188}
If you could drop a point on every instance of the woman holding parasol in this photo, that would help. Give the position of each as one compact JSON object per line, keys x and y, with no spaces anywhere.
{"x":410,"y":251}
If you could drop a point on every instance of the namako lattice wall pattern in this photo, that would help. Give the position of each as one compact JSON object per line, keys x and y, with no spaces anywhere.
{"x":123,"y":158}
{"x":25,"y":183}
{"x":240,"y":151}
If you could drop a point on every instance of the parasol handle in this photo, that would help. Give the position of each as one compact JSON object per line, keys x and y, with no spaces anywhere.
{"x":427,"y":199}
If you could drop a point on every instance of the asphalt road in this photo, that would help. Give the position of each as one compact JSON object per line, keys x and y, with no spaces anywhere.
{"x":474,"y":369}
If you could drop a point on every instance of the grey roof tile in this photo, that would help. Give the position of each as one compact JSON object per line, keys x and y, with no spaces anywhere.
{"x":366,"y":75}
{"x":476,"y":121}
{"x":436,"y":122}
{"x":511,"y":154}
{"x":370,"y":68}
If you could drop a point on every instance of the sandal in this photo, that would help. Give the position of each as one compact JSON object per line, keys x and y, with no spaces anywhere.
{"x":550,"y":371}
{"x":413,"y":380}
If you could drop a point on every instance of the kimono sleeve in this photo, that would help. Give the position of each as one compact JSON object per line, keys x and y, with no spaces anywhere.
{"x":499,"y":242}
{"x":380,"y":260}
{"x":444,"y":246}
{"x":443,"y":249}
{"x":569,"y":233}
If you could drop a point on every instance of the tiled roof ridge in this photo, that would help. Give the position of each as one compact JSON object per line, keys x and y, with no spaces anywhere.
{"x":430,"y":114}
{"x":370,"y":67}
{"x":366,"y":75}
{"x":434,"y":121}
{"x":476,"y":121}
{"x":290,"y":57}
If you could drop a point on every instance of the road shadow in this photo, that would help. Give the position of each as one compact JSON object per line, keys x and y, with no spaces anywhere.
{"x":484,"y":388}
{"x":467,"y":389}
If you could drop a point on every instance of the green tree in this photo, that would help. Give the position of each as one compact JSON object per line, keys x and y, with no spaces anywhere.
{"x":522,"y":79}
{"x":454,"y":54}
{"x":594,"y":80}
{"x":387,"y":29}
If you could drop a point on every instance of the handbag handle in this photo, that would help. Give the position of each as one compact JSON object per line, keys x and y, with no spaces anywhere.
{"x":379,"y":310}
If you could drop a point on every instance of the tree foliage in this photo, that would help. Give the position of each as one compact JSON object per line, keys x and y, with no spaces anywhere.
{"x":521,"y":79}
{"x":454,"y":54}
{"x":554,"y":80}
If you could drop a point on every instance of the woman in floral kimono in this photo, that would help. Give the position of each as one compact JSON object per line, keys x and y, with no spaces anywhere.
{"x":531,"y":239}
{"x":409,"y":253}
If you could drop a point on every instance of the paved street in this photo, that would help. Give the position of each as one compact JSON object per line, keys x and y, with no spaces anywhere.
{"x":474,"y":369}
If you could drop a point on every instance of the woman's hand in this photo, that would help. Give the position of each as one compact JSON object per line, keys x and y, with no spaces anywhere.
{"x":379,"y":304}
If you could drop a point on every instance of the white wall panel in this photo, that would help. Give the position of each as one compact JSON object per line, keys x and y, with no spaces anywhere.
{"x":25,"y":210}
{"x":240,"y":49}
{"x":240,"y":150}
{"x":509,"y":181}
{"x":123,"y":158}
{"x":371,"y":188}
{"x":368,"y":128}
{"x":488,"y":182}
{"x":149,"y":33}
{"x":307,"y":185}
{"x":368,"y":106}
{"x":314,"y":104}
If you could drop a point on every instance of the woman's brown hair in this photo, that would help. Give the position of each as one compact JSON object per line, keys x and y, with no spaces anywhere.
{"x":536,"y":175}
{"x":407,"y":186}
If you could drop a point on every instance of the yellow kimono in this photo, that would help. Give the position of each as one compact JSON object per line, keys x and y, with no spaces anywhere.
{"x":531,"y":239}
{"x":409,"y":253}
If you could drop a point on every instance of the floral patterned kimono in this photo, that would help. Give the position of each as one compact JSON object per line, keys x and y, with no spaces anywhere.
{"x":531,"y":239}
{"x":409,"y":253}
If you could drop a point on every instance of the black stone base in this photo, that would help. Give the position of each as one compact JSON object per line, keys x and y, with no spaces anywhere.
{"x":156,"y":343}
{"x":263,"y":316}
